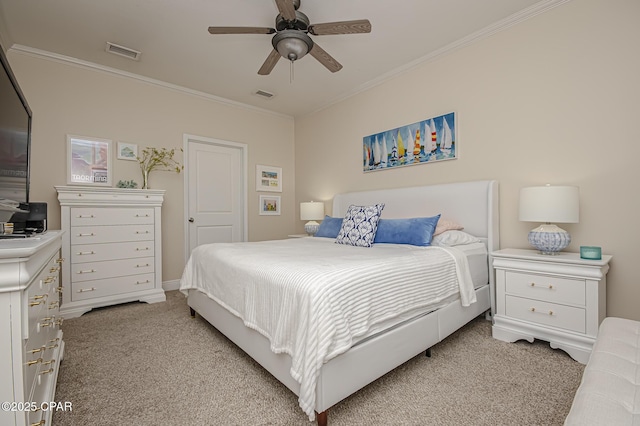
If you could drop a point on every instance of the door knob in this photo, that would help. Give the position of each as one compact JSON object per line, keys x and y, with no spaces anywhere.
{"x":191,"y":220}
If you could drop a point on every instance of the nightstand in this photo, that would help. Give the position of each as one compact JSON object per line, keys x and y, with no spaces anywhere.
{"x":298,"y":235}
{"x":560,"y":299}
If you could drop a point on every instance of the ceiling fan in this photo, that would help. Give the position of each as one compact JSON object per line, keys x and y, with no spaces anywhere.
{"x":291,"y":39}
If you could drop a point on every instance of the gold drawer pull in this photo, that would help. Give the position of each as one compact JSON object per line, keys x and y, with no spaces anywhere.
{"x":54,"y":304}
{"x":142,"y":266}
{"x":45,"y":324}
{"x":51,"y":361}
{"x":34,"y":362}
{"x":85,"y":216}
{"x":91,"y":234}
{"x":41,"y":422}
{"x":60,"y":260}
{"x":46,"y":372}
{"x":534,"y":310}
{"x":59,"y":321}
{"x":142,"y":249}
{"x":52,"y":346}
{"x":83,"y":253}
{"x":49,"y":280}
{"x":35,"y":351}
{"x":82,"y":290}
{"x":142,"y":232}
{"x":40,"y":296}
{"x":32,"y":304}
{"x":87,"y":271}
{"x":56,"y":340}
{"x":54,"y":269}
{"x":143,"y":282}
{"x":59,"y":289}
{"x":550,"y":286}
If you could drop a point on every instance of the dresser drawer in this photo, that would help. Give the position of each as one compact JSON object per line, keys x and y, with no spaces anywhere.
{"x":111,"y":268}
{"x":547,"y":288}
{"x":549,"y":314}
{"x":111,"y":286}
{"x":83,"y":253}
{"x":89,"y":216}
{"x":111,"y":234}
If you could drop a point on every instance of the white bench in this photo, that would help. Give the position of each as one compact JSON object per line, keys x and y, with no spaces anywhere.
{"x":609,"y":393}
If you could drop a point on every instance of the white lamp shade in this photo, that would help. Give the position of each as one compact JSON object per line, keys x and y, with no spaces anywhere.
{"x":549,"y":203}
{"x":311,"y":211}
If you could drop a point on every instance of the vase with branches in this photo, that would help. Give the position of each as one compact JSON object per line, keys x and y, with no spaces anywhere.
{"x":157,"y":159}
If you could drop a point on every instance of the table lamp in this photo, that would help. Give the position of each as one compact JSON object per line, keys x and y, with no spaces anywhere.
{"x":549,"y":204}
{"x":311,"y":211}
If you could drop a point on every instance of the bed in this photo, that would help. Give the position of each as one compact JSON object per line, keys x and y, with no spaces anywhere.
{"x":294,"y":345}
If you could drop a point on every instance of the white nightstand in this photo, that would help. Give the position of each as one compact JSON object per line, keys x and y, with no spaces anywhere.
{"x":299,"y":236}
{"x":560,"y":299}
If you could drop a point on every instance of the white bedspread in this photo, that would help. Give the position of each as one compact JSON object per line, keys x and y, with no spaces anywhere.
{"x":312,"y":298}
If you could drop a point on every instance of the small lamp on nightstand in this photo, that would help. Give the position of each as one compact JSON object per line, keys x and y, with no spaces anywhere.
{"x":549,"y":204}
{"x":311,"y":211}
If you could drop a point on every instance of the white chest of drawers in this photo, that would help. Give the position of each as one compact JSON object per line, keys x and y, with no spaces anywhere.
{"x":113,"y":244}
{"x":31,"y":345}
{"x":560,"y":299}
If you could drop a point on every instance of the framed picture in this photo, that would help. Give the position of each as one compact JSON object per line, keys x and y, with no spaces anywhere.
{"x":268,"y":178}
{"x":127,"y":151}
{"x":88,"y":161}
{"x":270,"y":205}
{"x":424,"y":142}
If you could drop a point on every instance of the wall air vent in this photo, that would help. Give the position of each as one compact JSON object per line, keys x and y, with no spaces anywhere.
{"x":264,"y":94}
{"x":123,"y":51}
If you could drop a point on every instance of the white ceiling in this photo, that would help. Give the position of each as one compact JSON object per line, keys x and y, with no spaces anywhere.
{"x":177,"y":48}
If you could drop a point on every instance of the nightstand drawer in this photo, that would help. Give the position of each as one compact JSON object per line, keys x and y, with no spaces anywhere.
{"x":549,"y":314}
{"x":547,"y":288}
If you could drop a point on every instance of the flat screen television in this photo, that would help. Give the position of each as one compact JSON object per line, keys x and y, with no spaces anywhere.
{"x":15,"y":142}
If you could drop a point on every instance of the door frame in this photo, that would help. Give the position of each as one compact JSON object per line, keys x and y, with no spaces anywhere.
{"x":244,"y":196}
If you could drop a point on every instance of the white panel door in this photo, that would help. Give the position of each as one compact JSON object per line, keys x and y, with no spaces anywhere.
{"x":215,"y":191}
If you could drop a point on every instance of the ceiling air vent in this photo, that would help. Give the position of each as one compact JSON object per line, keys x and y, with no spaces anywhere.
{"x":264,"y":94}
{"x":123,"y":51}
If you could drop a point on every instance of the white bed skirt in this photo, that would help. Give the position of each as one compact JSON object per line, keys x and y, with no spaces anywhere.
{"x":363,"y":363}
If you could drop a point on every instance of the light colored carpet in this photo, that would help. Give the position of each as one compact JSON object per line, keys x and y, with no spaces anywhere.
{"x":155,"y":365}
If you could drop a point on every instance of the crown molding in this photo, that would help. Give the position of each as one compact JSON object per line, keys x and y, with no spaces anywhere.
{"x":55,"y":57}
{"x":516,"y":18}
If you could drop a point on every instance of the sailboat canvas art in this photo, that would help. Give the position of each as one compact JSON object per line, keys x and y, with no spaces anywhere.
{"x":427,"y":141}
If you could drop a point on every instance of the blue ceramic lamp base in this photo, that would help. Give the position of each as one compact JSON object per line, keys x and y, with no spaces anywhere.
{"x":549,"y":239}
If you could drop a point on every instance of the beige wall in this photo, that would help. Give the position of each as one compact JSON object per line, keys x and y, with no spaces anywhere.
{"x":70,"y":99}
{"x":554,"y":99}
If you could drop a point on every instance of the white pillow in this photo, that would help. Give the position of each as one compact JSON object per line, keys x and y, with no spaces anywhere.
{"x":453,"y":238}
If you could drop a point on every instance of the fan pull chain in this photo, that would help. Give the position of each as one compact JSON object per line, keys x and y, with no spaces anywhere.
{"x":290,"y":72}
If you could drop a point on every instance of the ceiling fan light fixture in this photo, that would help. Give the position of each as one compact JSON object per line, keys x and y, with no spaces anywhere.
{"x":292,"y":44}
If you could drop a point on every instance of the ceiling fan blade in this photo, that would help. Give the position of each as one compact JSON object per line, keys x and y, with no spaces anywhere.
{"x":271,"y":61}
{"x":324,"y":58}
{"x":286,"y":9}
{"x":241,"y":30}
{"x":343,"y":27}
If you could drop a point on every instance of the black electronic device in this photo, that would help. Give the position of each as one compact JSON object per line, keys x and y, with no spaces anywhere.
{"x":32,"y":222}
{"x":15,"y":141}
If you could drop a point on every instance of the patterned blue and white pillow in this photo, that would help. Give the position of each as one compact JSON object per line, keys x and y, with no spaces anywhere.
{"x":359,"y":225}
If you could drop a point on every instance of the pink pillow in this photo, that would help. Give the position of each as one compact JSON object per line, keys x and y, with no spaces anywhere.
{"x":447,"y":225}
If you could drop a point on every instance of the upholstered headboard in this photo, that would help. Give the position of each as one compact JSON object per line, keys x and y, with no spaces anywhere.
{"x":472,"y":204}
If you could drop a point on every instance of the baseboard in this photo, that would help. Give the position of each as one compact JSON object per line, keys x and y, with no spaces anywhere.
{"x":171,"y":285}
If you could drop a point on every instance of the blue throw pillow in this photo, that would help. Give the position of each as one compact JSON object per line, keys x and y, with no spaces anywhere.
{"x":330,"y":227}
{"x":417,"y":231}
{"x":359,"y":225}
